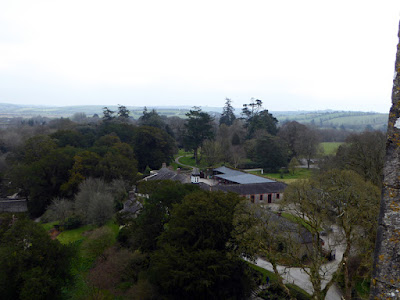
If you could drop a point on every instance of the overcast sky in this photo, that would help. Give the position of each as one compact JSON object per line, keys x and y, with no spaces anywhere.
{"x":293,"y":55}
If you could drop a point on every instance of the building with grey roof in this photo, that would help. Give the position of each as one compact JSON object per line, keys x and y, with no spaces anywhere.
{"x":229,"y":176}
{"x":166,"y":174}
{"x":257,"y":189}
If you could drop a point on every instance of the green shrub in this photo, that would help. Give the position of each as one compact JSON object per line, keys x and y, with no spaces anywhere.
{"x":98,"y":241}
{"x":72,"y":222}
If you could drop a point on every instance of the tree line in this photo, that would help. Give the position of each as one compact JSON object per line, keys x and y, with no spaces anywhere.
{"x":80,"y":172}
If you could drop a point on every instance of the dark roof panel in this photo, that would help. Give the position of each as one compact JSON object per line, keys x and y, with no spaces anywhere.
{"x":167,"y":174}
{"x":252,"y":188}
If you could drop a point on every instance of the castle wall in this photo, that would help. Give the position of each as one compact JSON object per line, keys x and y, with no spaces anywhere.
{"x":385,"y":283}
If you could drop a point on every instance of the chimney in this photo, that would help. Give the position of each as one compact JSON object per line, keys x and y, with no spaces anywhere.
{"x":164,"y":165}
{"x":178,"y":171}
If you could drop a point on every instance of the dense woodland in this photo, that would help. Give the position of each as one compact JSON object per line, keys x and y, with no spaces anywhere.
{"x":185,"y":243}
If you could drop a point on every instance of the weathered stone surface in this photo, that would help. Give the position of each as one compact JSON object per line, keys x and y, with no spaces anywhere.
{"x":386,"y":275}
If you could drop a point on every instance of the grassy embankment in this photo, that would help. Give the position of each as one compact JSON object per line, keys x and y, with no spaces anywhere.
{"x":84,"y":259}
{"x":273,"y":279}
{"x":188,"y":159}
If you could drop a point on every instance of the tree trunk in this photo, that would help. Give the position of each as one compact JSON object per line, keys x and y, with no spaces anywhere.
{"x":195,"y":156}
{"x":280,"y":280}
{"x":345,"y":260}
{"x":347,"y":282}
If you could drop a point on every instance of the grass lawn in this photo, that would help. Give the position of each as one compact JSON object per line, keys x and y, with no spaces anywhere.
{"x":272,"y":276}
{"x":188,"y":159}
{"x":273,"y":279}
{"x":50,"y":225}
{"x":82,"y":262}
{"x":300,"y":173}
{"x":182,"y":152}
{"x":330,"y":148}
{"x":75,"y":235}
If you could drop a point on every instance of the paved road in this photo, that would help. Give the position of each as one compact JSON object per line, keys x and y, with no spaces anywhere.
{"x":297,"y":276}
{"x":300,"y":278}
{"x":179,"y":163}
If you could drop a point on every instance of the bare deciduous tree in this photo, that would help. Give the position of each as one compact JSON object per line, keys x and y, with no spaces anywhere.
{"x":93,"y":202}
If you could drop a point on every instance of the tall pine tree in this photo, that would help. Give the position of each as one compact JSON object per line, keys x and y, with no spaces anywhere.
{"x":228,"y":115}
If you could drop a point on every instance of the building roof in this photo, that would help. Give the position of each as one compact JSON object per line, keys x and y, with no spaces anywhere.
{"x":167,"y":174}
{"x":239,"y":177}
{"x":244,"y":178}
{"x":228,"y":171}
{"x":252,"y":188}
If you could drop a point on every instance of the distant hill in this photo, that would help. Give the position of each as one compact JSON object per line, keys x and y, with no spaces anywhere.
{"x":337,"y":119}
{"x":323,"y":119}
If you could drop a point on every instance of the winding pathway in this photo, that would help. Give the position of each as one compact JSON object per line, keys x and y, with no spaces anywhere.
{"x":297,"y":276}
{"x":300,"y":278}
{"x":179,"y":163}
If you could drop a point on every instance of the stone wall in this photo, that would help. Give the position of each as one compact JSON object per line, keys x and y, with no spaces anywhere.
{"x":13,"y":206}
{"x":385,"y":283}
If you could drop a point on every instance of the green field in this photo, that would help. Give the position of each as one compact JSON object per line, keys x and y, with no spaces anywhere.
{"x":75,"y":235}
{"x":300,"y":173}
{"x":347,"y":119}
{"x":330,"y":148}
{"x":325,"y":119}
{"x":188,"y":159}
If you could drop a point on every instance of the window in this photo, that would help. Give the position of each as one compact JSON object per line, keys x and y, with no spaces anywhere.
{"x":278,"y":196}
{"x":261,"y":197}
{"x":252,"y":198}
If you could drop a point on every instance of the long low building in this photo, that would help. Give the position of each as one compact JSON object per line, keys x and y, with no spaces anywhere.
{"x":267,"y":192}
{"x":226,"y":175}
{"x":255,"y":188}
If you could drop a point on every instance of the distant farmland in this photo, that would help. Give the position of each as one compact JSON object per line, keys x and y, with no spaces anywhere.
{"x":322,"y":119}
{"x":345,"y":120}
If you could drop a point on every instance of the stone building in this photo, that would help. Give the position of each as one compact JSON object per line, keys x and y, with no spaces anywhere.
{"x":255,"y":188}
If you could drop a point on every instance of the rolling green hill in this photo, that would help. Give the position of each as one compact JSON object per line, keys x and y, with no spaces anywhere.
{"x":339,"y":119}
{"x":324,"y":119}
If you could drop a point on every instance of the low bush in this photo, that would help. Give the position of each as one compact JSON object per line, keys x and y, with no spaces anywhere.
{"x":98,"y":240}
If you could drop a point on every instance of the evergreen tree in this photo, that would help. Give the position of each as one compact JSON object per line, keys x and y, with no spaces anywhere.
{"x":32,"y":265}
{"x":258,"y":120}
{"x":195,"y":258}
{"x":152,"y":119}
{"x":198,"y":129}
{"x":108,"y":114}
{"x":228,"y":115}
{"x":123,"y":112}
